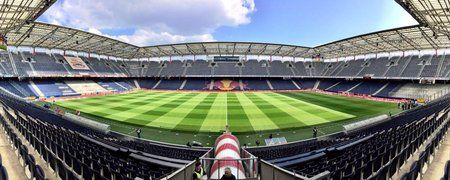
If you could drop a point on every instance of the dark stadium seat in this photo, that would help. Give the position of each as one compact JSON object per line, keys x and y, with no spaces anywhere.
{"x":23,"y":152}
{"x":30,"y":164}
{"x":3,"y":173}
{"x":374,"y":157}
{"x":447,"y":170}
{"x":61,"y":169}
{"x":71,"y":150}
{"x":414,"y":171}
{"x":71,"y":175}
{"x":39,"y":173}
{"x":87,"y":172}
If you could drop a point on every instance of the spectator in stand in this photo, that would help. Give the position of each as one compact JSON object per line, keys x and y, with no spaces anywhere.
{"x":228,"y":175}
{"x":199,"y":172}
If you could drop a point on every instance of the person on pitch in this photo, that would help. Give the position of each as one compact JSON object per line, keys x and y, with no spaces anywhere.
{"x":138,"y":132}
{"x":315,"y":132}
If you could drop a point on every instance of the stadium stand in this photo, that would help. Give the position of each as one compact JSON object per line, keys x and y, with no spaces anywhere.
{"x":198,"y":68}
{"x":84,"y":152}
{"x":409,"y":67}
{"x":396,"y":66}
{"x":327,"y":83}
{"x":172,"y":68}
{"x":343,"y":155}
{"x":351,"y":68}
{"x":377,"y":154}
{"x":367,"y":88}
{"x":169,"y":84}
{"x":389,"y":87}
{"x":305,"y":83}
{"x":343,"y":86}
{"x":226,"y":69}
{"x":254,"y":84}
{"x":196,"y":84}
{"x":414,"y":90}
{"x":278,"y":68}
{"x":147,"y":83}
{"x":75,"y":64}
{"x":254,"y":68}
{"x":299,"y":69}
{"x":280,"y":84}
{"x":51,"y":88}
{"x":153,"y":69}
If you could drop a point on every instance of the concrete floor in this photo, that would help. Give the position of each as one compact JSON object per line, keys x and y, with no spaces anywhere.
{"x":11,"y":159}
{"x":436,"y":168}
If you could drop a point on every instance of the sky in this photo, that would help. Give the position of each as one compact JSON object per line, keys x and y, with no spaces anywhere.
{"x":296,"y":22}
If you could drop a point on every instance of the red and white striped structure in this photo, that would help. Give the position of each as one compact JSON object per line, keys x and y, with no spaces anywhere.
{"x":227,"y":149}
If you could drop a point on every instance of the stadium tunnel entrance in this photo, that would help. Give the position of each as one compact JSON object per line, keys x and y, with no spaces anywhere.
{"x":228,"y":160}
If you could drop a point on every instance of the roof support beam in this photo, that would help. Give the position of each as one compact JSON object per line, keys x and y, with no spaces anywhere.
{"x":234,"y":48}
{"x":61,"y":41}
{"x":249,"y":49}
{"x":408,"y":40}
{"x":162,"y":51}
{"x":262,"y":51}
{"x":45,"y":38}
{"x":25,"y":35}
{"x":176,"y":50}
{"x":81,"y":42}
{"x":429,"y":40}
{"x":388,"y":42}
{"x":189,"y":49}
{"x":276,"y":51}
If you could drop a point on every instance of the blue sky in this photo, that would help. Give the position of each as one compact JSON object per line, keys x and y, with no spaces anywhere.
{"x":298,"y":22}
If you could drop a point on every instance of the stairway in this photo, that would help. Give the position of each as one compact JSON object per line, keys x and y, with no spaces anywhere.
{"x":20,"y":89}
{"x":13,"y":64}
{"x":404,"y":66}
{"x":381,"y":89}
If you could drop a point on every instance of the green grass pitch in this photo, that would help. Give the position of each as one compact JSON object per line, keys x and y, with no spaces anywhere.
{"x":193,"y":113}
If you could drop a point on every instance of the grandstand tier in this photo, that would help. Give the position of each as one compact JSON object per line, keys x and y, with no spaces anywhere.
{"x":78,"y":105}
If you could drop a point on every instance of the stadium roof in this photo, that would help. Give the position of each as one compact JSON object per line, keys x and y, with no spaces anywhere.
{"x":399,"y":39}
{"x":15,"y":13}
{"x":224,"y":48}
{"x":50,"y":36}
{"x":434,"y":14}
{"x":431,"y":33}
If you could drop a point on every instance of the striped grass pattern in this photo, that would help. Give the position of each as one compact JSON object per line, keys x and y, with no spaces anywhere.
{"x":203,"y":112}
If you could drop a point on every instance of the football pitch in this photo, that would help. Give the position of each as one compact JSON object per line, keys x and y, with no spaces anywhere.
{"x":211,"y":112}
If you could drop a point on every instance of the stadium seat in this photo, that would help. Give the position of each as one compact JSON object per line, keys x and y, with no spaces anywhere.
{"x":30,"y":166}
{"x":3,"y":173}
{"x":39,"y":173}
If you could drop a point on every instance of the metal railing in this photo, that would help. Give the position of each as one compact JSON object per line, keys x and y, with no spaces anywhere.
{"x":250,"y":167}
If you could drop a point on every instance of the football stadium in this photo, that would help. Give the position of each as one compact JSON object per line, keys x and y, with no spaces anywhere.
{"x":77,"y":103}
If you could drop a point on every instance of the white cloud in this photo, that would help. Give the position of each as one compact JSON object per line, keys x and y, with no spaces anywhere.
{"x":142,"y":37}
{"x":155,"y":21}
